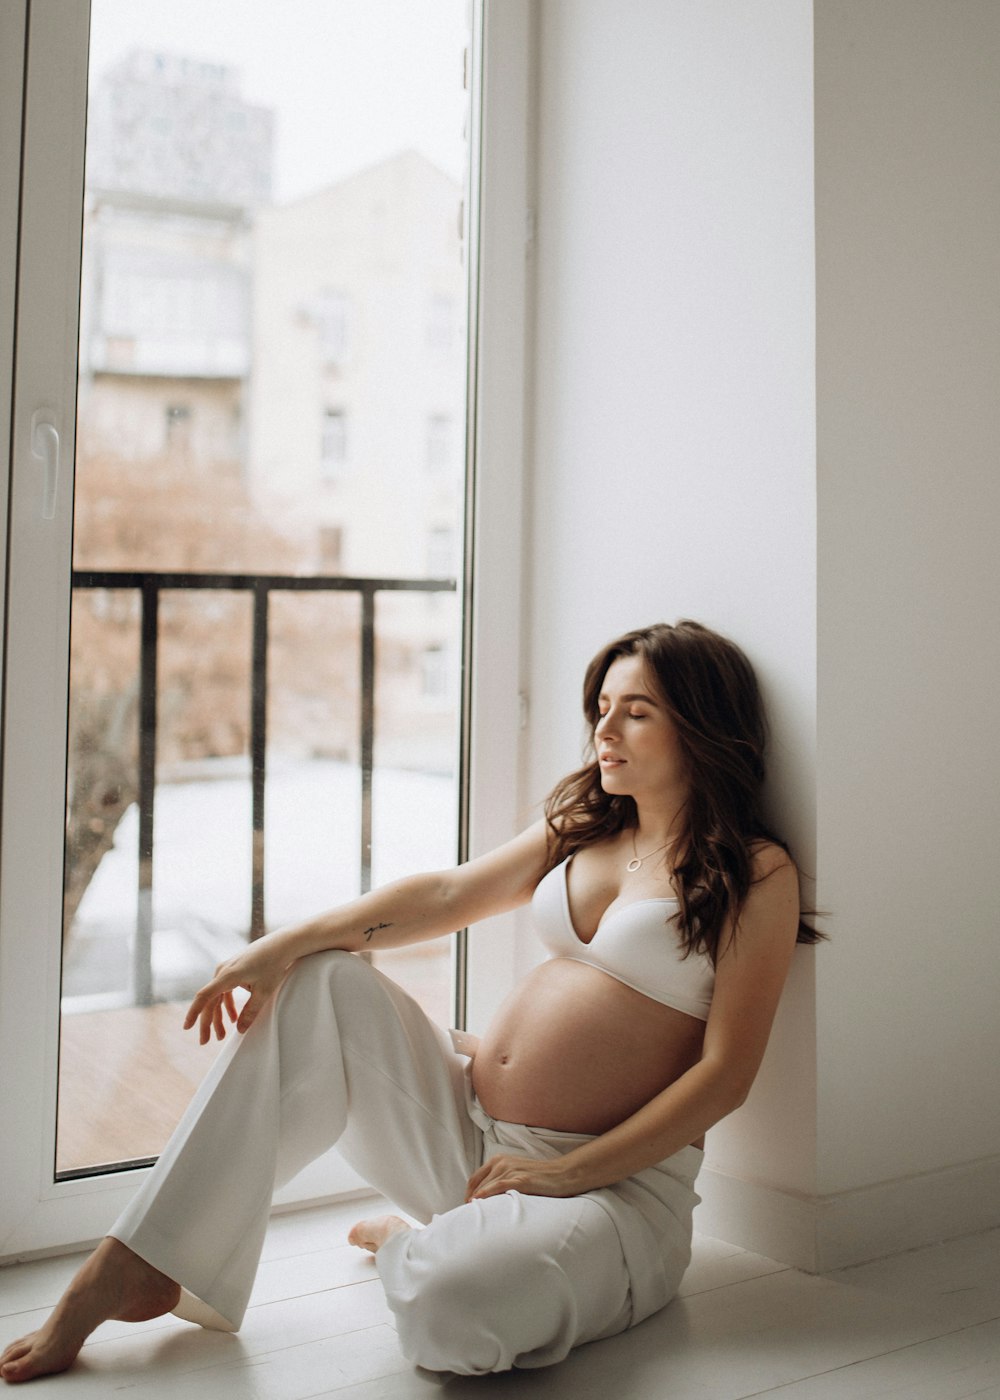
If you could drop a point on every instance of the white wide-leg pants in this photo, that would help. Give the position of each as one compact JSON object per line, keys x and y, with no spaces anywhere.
{"x":342,"y":1055}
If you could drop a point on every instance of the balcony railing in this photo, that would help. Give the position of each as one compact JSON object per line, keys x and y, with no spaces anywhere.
{"x":150,"y":586}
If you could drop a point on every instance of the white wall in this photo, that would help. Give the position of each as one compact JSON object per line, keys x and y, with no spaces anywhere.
{"x":674,"y":442}
{"x":684,"y":363}
{"x":908,"y":270}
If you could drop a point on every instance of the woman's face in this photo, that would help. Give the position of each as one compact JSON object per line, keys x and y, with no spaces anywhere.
{"x":638,"y":747}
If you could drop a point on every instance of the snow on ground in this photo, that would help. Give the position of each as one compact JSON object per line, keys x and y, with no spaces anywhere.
{"x":201,"y":867}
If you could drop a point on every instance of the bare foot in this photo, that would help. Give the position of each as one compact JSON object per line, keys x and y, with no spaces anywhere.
{"x":372,"y":1234}
{"x":113,"y":1282}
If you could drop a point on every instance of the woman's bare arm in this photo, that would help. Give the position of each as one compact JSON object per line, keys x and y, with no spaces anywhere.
{"x":404,"y":911}
{"x":750,"y":975}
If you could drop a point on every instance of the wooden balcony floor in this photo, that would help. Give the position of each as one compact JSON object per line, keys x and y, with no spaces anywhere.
{"x":127,"y":1075}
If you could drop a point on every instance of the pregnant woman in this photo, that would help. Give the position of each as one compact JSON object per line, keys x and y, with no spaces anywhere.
{"x":552,"y":1164}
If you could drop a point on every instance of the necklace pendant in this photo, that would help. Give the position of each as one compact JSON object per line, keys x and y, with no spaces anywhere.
{"x":634,"y":864}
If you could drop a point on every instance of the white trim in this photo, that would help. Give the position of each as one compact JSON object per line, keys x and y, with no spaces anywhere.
{"x":821,"y":1233}
{"x":34,"y":771}
{"x":498,"y":551}
{"x":12,"y":25}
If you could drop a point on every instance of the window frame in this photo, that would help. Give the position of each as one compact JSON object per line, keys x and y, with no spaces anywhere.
{"x":38,"y":1214}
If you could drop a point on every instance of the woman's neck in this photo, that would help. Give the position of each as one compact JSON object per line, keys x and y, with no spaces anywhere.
{"x":659,"y":824}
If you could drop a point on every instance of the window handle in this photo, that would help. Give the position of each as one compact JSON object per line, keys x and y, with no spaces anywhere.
{"x":45,"y":447}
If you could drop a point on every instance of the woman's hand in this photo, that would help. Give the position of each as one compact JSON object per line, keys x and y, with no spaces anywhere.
{"x":524,"y":1174}
{"x":260,"y":969}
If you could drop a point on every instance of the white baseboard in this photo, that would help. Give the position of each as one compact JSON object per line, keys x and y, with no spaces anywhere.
{"x":821,"y":1233}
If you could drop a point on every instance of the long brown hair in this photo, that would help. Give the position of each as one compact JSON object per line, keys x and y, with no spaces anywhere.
{"x":711,"y":694}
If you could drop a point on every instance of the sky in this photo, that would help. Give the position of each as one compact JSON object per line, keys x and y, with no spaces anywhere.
{"x":351,"y":81}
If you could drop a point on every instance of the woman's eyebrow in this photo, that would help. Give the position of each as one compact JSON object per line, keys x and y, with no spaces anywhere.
{"x":628,"y":699}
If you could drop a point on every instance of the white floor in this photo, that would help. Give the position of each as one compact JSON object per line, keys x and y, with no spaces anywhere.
{"x":921,"y":1326}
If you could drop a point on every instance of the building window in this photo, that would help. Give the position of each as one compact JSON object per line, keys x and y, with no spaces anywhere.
{"x":439,"y":442}
{"x":440,"y":552}
{"x":332,"y":316}
{"x":434,"y":672}
{"x":331,"y":548}
{"x":333,"y":443}
{"x":177,"y":435}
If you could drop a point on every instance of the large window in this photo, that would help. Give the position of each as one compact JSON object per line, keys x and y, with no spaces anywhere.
{"x":244,"y":747}
{"x":246,"y":621}
{"x":172,"y":421}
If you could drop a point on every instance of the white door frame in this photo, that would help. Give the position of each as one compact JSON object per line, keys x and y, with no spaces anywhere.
{"x":38,"y":1214}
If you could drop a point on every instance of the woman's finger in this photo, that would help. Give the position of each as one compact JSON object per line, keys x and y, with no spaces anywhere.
{"x":194,"y":1010}
{"x":497,"y":1185}
{"x":201,"y":999}
{"x":525,"y":1174}
{"x":215,"y":1001}
{"x":483,"y":1181}
{"x":480,"y":1174}
{"x":258,"y":996}
{"x":205,"y":1024}
{"x":205,"y":999}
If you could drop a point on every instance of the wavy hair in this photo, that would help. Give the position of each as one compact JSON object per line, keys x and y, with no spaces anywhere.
{"x":710,"y":692}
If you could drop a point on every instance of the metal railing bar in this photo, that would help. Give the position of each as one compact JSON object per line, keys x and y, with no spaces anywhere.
{"x":258,"y":757}
{"x":149,"y":584}
{"x":274,"y":583}
{"x":142,"y":968}
{"x":367,"y":732}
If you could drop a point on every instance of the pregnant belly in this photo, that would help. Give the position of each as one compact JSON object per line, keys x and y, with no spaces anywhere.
{"x":575,"y":1050}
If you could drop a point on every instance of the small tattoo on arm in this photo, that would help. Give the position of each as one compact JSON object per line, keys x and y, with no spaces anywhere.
{"x":374,"y":929}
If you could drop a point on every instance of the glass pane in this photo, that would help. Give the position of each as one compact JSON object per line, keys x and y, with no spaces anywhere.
{"x":271,"y":442}
{"x":415,"y":757}
{"x":313,"y":810}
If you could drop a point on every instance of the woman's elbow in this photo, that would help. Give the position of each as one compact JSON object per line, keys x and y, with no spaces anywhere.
{"x":732,"y":1087}
{"x":739,"y":1094}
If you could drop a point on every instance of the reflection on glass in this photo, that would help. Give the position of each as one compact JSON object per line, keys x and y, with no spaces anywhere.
{"x":271,"y":411}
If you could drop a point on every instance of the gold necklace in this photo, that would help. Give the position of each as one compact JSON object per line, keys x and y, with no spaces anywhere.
{"x":636,"y":862}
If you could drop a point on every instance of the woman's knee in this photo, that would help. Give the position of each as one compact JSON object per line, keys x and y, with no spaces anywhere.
{"x":454,"y":1321}
{"x":330,"y":989}
{"x":468,"y":1311}
{"x":331,"y":972}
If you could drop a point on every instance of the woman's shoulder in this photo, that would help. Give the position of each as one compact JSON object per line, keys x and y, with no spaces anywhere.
{"x":768,"y":857}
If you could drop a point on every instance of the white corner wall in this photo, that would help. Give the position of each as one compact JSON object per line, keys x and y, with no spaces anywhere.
{"x":674,"y":452}
{"x":684,"y":362}
{"x":908,"y":272}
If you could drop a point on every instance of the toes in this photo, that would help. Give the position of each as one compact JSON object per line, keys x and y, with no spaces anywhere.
{"x":372,"y":1234}
{"x":35,"y":1363}
{"x":12,"y":1368}
{"x":358,"y":1233}
{"x":367,"y":1234}
{"x":35,"y":1356}
{"x":13,"y":1363}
